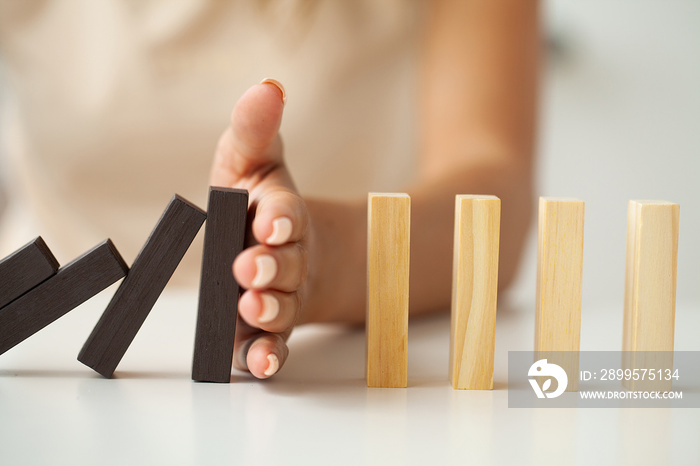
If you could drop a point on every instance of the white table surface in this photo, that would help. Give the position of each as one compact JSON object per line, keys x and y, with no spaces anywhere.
{"x":317,"y":410}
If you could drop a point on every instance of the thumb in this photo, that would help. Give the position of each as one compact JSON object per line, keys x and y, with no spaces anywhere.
{"x":251,"y":143}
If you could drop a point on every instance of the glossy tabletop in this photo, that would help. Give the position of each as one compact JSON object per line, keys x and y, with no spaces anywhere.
{"x":317,"y":410}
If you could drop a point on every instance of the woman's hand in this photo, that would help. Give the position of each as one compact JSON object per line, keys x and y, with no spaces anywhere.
{"x":272,"y":269}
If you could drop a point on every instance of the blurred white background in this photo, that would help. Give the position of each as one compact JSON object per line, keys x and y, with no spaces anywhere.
{"x":621,"y":120}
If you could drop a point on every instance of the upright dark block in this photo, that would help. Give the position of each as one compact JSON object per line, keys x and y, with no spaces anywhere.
{"x":137,"y":294}
{"x":24,"y":269}
{"x":71,"y":286}
{"x":218,"y":292}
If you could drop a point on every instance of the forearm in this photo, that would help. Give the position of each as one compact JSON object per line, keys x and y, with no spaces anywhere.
{"x":477,"y":116}
{"x":478,"y":105}
{"x":432,"y":219}
{"x":337,"y":264}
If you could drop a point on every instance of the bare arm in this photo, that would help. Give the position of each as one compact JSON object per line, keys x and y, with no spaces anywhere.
{"x":477,"y":104}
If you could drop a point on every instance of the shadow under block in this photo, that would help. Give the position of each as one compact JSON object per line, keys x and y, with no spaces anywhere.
{"x":71,"y":286}
{"x":224,"y":238}
{"x":559,"y":275}
{"x":650,"y":290}
{"x":150,"y":272}
{"x":474,"y":291}
{"x":388,"y":259}
{"x":24,"y":269}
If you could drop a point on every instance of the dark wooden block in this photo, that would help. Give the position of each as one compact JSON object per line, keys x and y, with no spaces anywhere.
{"x":24,"y":269}
{"x":71,"y":286}
{"x":137,"y":294}
{"x":218,"y":292}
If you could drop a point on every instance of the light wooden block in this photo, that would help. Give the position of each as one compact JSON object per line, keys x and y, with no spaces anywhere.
{"x":559,"y":274}
{"x":650,"y":289}
{"x":388,"y":251}
{"x":474,"y":291}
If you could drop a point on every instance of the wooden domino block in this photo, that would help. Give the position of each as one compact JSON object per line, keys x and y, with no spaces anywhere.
{"x":474,"y":291}
{"x":559,"y":274}
{"x":72,"y":285}
{"x":388,"y":260}
{"x":24,"y":269}
{"x":150,"y":272}
{"x":224,"y":238}
{"x":650,"y":289}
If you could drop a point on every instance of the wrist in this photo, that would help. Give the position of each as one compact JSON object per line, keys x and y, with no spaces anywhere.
{"x":336,"y":245}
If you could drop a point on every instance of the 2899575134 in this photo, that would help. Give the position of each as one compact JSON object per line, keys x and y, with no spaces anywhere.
{"x":639,"y":374}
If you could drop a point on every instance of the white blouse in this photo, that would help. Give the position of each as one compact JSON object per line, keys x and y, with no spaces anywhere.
{"x":109,"y":107}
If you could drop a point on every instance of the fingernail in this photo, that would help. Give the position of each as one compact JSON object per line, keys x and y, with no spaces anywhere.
{"x":281,"y":231}
{"x":271,"y":307}
{"x":267,"y":269}
{"x":274,"y":365}
{"x":279,"y":85}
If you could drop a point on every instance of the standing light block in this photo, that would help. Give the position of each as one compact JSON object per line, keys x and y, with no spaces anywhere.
{"x":71,"y":286}
{"x":650,"y":289}
{"x":24,"y":269}
{"x":559,"y":275}
{"x":388,"y":260}
{"x":474,"y":291}
{"x":224,"y":238}
{"x":150,"y":272}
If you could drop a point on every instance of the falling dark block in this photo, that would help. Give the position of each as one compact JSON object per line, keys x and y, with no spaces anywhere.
{"x":218,"y":292}
{"x":24,"y":269}
{"x":71,"y":286}
{"x":137,"y":294}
